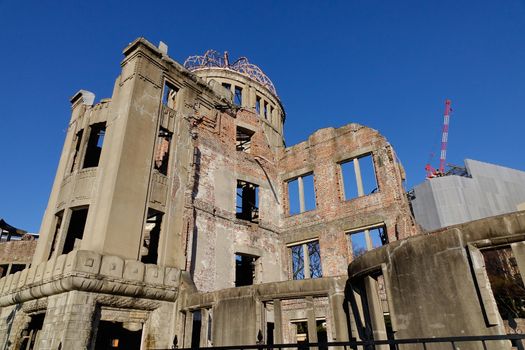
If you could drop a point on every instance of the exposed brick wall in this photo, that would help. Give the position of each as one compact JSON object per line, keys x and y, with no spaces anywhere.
{"x":19,"y":252}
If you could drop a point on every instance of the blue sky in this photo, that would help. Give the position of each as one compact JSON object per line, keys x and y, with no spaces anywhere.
{"x":385,"y":64}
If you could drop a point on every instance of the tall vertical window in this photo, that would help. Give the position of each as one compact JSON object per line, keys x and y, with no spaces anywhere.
{"x":359,"y":177}
{"x":306,"y":260}
{"x":162,"y":154}
{"x":237,"y":98}
{"x":258,"y":105}
{"x":75,"y":230}
{"x":94,"y":145}
{"x":301,"y":194}
{"x":169,"y":95}
{"x":247,"y":204}
{"x":150,"y":242}
{"x":265,"y":110}
{"x":78,"y":142}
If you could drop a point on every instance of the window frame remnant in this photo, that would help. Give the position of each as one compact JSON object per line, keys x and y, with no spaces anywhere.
{"x":237,"y":96}
{"x":245,"y":269}
{"x":162,"y":151}
{"x":303,"y":204}
{"x":78,"y":144}
{"x":243,"y":139}
{"x":169,"y":95}
{"x":75,"y":229}
{"x":247,"y":201}
{"x":59,"y":219}
{"x":151,"y":237}
{"x":358,"y":165}
{"x":368,"y":234}
{"x":305,"y":260}
{"x":94,"y":146}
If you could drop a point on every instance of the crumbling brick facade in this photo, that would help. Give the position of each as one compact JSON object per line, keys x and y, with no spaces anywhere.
{"x":171,"y":212}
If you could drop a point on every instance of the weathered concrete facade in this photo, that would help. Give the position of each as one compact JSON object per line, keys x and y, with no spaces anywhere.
{"x":171,"y":217}
{"x":442,"y":284}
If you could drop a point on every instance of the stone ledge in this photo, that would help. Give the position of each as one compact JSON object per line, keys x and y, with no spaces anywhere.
{"x":89,"y":271}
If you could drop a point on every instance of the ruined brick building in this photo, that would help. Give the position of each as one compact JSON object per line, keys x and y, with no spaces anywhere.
{"x":179,"y":216}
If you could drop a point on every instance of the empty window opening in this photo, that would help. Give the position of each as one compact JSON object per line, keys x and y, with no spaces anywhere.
{"x":271,"y":112}
{"x":30,"y":335}
{"x":265,"y":110}
{"x":301,"y":194}
{"x":16,"y":268}
{"x":118,"y":335}
{"x":243,"y":141}
{"x":75,"y":230}
{"x":244,"y":270}
{"x":306,"y":260}
{"x":196,"y":329}
{"x":77,"y":150}
{"x":227,"y":86}
{"x":506,"y":283}
{"x":162,"y":154}
{"x":301,"y":333}
{"x":258,"y":105}
{"x":150,"y":242}
{"x":3,"y":270}
{"x":169,"y":95}
{"x":94,"y":146}
{"x":247,"y":204}
{"x":367,"y":239}
{"x":56,"y":232}
{"x":237,"y":97}
{"x":359,"y":177}
{"x":322,"y":335}
{"x":270,"y":327}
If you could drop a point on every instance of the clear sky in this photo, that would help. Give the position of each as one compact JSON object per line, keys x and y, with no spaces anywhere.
{"x":385,"y":64}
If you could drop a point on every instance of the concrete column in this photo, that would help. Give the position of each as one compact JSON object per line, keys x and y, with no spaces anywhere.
{"x":358,"y":179}
{"x":204,"y":328}
{"x":306,"y":258}
{"x":376,"y":311}
{"x":278,"y":319}
{"x":301,"y":194}
{"x":310,"y":316}
{"x":188,"y":330}
{"x":368,"y":239}
{"x":340,"y":328}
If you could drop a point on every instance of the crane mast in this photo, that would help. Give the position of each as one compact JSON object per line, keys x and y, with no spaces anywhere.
{"x":444,"y":137}
{"x":431,"y":172}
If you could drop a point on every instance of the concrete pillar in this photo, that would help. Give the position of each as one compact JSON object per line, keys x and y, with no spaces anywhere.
{"x":306,"y":256}
{"x":340,"y":328}
{"x":376,"y":311}
{"x":358,"y":178}
{"x":301,"y":194}
{"x":310,"y":316}
{"x":278,"y":319}
{"x":188,"y":329}
{"x":204,"y":328}
{"x":368,"y":239}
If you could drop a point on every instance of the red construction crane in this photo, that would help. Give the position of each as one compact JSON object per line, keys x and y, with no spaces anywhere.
{"x":431,"y":172}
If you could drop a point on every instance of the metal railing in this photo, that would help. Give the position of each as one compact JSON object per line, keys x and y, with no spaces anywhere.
{"x":485,"y":342}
